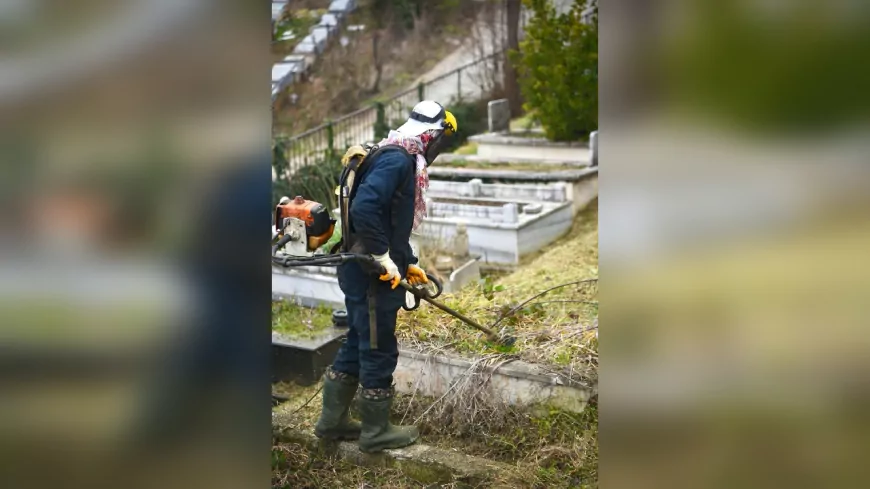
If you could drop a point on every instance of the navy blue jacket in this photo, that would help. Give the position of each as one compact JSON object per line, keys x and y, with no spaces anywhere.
{"x":382,"y":209}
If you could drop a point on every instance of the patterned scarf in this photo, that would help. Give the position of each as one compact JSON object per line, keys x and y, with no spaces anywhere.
{"x":416,"y":146}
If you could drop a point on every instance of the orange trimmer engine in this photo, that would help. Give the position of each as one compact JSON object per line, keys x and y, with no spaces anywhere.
{"x":307,"y":224}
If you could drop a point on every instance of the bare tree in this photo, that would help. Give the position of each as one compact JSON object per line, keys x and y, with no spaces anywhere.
{"x":486,"y":39}
{"x":378,"y":62}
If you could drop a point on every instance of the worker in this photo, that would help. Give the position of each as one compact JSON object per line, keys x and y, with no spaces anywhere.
{"x":389,"y":202}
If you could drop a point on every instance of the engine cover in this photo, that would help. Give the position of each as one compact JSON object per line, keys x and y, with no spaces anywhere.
{"x":307,"y":222}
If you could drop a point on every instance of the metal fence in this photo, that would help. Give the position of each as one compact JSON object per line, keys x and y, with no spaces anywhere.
{"x":368,"y":124}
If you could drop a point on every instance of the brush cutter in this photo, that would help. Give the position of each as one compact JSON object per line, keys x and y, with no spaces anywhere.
{"x":427,"y":292}
{"x":302,"y":226}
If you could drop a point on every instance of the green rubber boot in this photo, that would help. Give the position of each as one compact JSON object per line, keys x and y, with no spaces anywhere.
{"x":377,"y":432}
{"x":334,"y":423}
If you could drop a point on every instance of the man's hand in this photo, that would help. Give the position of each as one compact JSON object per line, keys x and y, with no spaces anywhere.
{"x":392,"y":274}
{"x":416,"y":275}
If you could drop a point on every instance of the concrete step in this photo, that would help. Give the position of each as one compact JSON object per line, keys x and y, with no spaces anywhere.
{"x":582,"y":183}
{"x":494,"y":145}
{"x":454,"y":159}
{"x":513,"y":382}
{"x":509,"y":173}
{"x":424,"y":463}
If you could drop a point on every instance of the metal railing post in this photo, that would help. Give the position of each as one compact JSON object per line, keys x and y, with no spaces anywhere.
{"x":420,"y":88}
{"x":330,"y":140}
{"x":381,"y":128}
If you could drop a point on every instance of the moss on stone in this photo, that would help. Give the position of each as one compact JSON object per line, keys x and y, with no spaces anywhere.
{"x":299,"y":322}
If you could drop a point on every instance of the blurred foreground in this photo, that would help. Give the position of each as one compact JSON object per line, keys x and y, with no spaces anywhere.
{"x":134,"y":340}
{"x":734,"y":237}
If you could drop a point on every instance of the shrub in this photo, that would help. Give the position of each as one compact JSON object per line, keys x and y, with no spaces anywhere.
{"x":558,"y":67}
{"x":315,"y":182}
{"x":471,"y":118}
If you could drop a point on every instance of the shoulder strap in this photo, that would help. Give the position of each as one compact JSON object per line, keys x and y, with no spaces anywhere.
{"x":363,"y":165}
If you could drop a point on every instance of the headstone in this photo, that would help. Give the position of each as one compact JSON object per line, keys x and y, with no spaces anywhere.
{"x":476,"y":186}
{"x":509,"y":213}
{"x":499,"y":115}
{"x":460,"y":241}
{"x":593,"y":148}
{"x":280,"y":72}
{"x":302,"y":59}
{"x":320,"y":35}
{"x":277,"y":8}
{"x":296,"y":72}
{"x":305,"y":48}
{"x":341,"y":7}
{"x":311,"y":40}
{"x":329,"y":20}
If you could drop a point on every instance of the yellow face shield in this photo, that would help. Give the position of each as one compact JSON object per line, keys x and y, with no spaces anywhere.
{"x":450,"y":125}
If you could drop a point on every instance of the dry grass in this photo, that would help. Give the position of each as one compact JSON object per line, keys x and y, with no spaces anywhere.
{"x":545,"y":448}
{"x":295,"y":467}
{"x":559,"y":330}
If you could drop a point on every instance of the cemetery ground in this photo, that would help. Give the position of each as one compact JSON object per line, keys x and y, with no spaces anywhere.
{"x":523,"y":445}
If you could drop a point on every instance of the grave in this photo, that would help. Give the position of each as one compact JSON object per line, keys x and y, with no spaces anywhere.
{"x":306,"y":48}
{"x":593,"y":148}
{"x":318,"y":41}
{"x":499,"y":231}
{"x":580,"y":180}
{"x":340,"y":8}
{"x":499,"y":115}
{"x":475,"y":188}
{"x":282,"y":74}
{"x":277,"y":8}
{"x":492,"y":145}
{"x":303,"y":360}
{"x":320,"y":34}
{"x":306,"y":61}
{"x":329,"y":20}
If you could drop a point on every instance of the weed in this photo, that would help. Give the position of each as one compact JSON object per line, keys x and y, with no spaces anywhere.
{"x":299,"y":322}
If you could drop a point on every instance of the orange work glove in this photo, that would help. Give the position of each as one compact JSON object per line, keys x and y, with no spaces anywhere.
{"x":416,"y":276}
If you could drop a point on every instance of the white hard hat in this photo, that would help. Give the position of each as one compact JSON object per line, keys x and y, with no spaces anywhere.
{"x":425,"y":116}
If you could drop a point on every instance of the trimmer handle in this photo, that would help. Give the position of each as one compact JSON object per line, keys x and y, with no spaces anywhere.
{"x":431,"y":290}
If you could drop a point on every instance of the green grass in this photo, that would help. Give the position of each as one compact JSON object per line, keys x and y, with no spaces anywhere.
{"x":523,"y":123}
{"x":299,"y":322}
{"x":467,"y":149}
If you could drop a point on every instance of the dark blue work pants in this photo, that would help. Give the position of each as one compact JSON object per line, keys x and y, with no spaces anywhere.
{"x":356,"y":357}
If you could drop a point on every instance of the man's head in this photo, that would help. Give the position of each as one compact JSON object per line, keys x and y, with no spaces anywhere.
{"x":433,"y":124}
